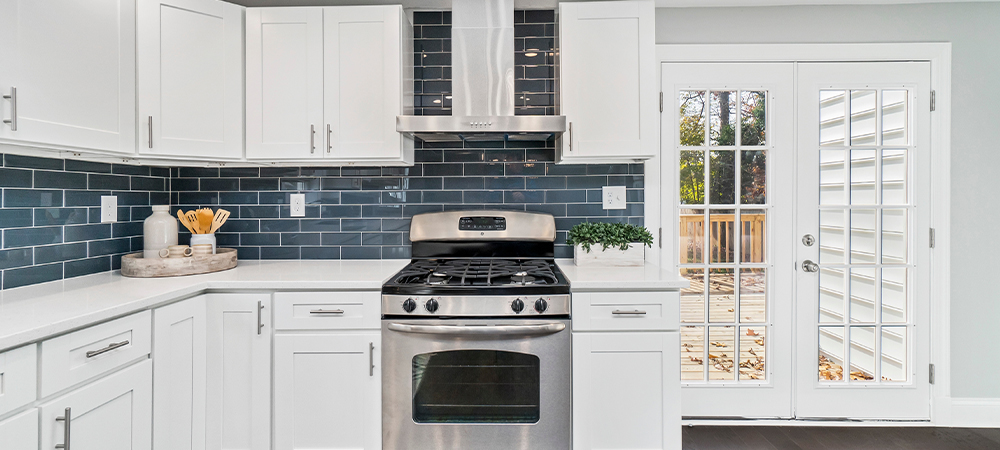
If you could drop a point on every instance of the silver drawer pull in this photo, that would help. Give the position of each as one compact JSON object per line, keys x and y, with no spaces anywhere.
{"x":110,"y":347}
{"x":619,"y":312}
{"x":66,"y":418}
{"x":326,"y":311}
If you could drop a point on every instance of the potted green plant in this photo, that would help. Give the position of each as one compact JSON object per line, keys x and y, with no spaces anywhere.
{"x":609,"y":244}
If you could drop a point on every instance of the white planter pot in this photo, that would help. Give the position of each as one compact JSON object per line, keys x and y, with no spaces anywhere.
{"x":612,"y":256}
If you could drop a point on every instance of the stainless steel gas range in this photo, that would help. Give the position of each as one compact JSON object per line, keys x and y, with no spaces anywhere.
{"x":476,"y":336}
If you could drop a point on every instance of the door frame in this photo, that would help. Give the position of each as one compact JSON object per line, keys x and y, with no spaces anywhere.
{"x":939,"y":56}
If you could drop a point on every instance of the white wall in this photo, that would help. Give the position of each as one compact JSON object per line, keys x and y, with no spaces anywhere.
{"x":974,"y":31}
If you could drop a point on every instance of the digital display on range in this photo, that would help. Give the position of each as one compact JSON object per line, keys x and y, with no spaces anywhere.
{"x":482,"y":223}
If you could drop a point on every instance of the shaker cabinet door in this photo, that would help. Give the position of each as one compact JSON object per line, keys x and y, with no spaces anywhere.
{"x":179,"y":360}
{"x":69,"y":70}
{"x":608,"y":87}
{"x":190,"y":79}
{"x":21,"y":431}
{"x":284,"y":72}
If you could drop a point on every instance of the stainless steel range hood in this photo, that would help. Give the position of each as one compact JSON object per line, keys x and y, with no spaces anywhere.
{"x":482,"y":58}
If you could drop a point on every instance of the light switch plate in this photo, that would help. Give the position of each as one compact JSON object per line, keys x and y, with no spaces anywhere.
{"x":298,"y":205}
{"x":109,"y":208}
{"x":613,"y":197}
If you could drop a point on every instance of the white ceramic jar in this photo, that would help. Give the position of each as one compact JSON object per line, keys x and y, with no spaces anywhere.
{"x":159,"y":231}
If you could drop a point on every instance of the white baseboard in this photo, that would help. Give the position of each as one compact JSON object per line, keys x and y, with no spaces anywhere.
{"x":974,"y":412}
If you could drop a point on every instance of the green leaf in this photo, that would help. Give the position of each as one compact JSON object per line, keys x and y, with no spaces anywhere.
{"x":618,"y":235}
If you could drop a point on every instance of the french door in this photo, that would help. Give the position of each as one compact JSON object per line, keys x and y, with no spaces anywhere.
{"x":792,"y":189}
{"x":729,"y":129}
{"x":862,"y":281}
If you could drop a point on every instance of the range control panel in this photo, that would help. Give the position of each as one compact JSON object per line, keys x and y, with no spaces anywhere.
{"x":482,"y":223}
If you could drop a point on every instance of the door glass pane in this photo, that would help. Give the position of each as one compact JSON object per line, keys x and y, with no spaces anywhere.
{"x":692,"y":236}
{"x":723,"y":118}
{"x":863,"y":295}
{"x":692,"y":118}
{"x":692,"y":353}
{"x":862,"y":177}
{"x":893,"y":236}
{"x":862,"y":353}
{"x":752,"y":232}
{"x":894,"y":118}
{"x":693,"y":297}
{"x":831,"y":353}
{"x":831,"y":118}
{"x":863,"y":117}
{"x":862,"y":236}
{"x":831,"y":177}
{"x":752,"y":356}
{"x":831,"y":237}
{"x":831,"y":295}
{"x":721,"y":234}
{"x":476,"y":386}
{"x":893,"y":177}
{"x":753,"y":177}
{"x":753,"y":118}
{"x":692,"y":177}
{"x":722,"y":177}
{"x":753,"y":295}
{"x":721,"y":352}
{"x":893,"y":362}
{"x":894,"y":295}
{"x":721,"y":296}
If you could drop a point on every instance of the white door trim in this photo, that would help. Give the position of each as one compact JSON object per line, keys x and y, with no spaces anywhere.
{"x":939,"y":55}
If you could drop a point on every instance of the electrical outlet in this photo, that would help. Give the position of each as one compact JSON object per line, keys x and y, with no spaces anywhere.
{"x":613,"y":197}
{"x":298,"y":205}
{"x":109,"y":208}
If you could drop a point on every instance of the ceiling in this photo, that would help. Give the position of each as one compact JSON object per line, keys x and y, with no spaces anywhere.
{"x":551,"y":4}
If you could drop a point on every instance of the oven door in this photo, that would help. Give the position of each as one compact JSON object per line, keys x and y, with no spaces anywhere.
{"x":476,"y":384}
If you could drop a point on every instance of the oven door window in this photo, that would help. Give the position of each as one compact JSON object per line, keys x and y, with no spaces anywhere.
{"x":475,"y":386}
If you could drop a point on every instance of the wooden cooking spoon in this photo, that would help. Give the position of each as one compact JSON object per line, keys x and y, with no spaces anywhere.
{"x":220,"y":218}
{"x":186,"y":221}
{"x":192,"y":218}
{"x":205,"y":218}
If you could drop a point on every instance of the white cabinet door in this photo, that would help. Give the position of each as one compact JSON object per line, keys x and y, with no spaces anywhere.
{"x":626,"y":391}
{"x":179,"y":373}
{"x":327,"y":391}
{"x":608,"y":86}
{"x":21,"y":431}
{"x":113,"y":413}
{"x":190,"y":75}
{"x":73,"y":65}
{"x":285,"y":83}
{"x":239,"y":371}
{"x":363,"y":82}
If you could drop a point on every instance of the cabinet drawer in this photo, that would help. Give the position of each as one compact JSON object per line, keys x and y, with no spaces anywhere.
{"x":626,"y":311}
{"x":84,"y":354}
{"x":18,"y":377}
{"x":326,"y":310}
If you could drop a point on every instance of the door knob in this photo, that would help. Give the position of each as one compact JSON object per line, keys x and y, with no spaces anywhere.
{"x":810,"y":266}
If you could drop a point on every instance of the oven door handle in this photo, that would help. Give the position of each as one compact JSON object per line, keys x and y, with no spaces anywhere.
{"x":498,"y":330}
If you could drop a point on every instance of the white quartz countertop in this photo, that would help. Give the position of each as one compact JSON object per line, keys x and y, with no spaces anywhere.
{"x":33,"y":313}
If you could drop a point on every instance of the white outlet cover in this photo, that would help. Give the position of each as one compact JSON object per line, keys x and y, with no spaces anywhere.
{"x":109,"y":208}
{"x":613,"y":197}
{"x":298,"y":205}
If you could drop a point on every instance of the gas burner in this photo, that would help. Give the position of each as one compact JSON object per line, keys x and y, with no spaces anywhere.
{"x":478,"y":273}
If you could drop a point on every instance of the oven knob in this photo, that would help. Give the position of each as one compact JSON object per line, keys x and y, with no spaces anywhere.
{"x":409,"y":305}
{"x":517,"y":305}
{"x":541,"y":305}
{"x":431,"y":305}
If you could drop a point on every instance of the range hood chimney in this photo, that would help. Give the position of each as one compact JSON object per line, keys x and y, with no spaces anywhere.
{"x":482,"y":83}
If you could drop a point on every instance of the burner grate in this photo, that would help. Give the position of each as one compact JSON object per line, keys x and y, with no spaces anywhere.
{"x":477,"y":272}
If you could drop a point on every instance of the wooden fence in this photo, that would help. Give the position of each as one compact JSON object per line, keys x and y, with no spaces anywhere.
{"x":722,"y":236}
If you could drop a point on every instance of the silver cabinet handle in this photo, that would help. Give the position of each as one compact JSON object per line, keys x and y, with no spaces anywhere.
{"x":329,"y":139}
{"x":110,"y":347}
{"x":810,"y":266}
{"x":65,"y":418}
{"x":326,"y":311}
{"x":312,"y":138}
{"x":13,"y":109}
{"x":636,"y":312}
{"x":371,"y":359}
{"x":150,"y":131}
{"x":260,"y":320}
{"x":571,"y":136}
{"x":520,"y":330}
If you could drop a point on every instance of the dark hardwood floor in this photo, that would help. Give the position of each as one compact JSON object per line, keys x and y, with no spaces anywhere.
{"x":839,"y":438}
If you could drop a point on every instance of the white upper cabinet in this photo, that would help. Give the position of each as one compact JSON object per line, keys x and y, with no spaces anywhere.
{"x":328,"y":83}
{"x":190,"y":79}
{"x":608,"y":89}
{"x":72,"y":64}
{"x":284,"y":83}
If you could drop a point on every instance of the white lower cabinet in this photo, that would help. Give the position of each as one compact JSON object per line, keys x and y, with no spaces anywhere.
{"x":238,"y":404}
{"x":327,"y":391}
{"x":20,"y":432}
{"x":626,"y":391}
{"x":112,"y":413}
{"x":179,"y":374}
